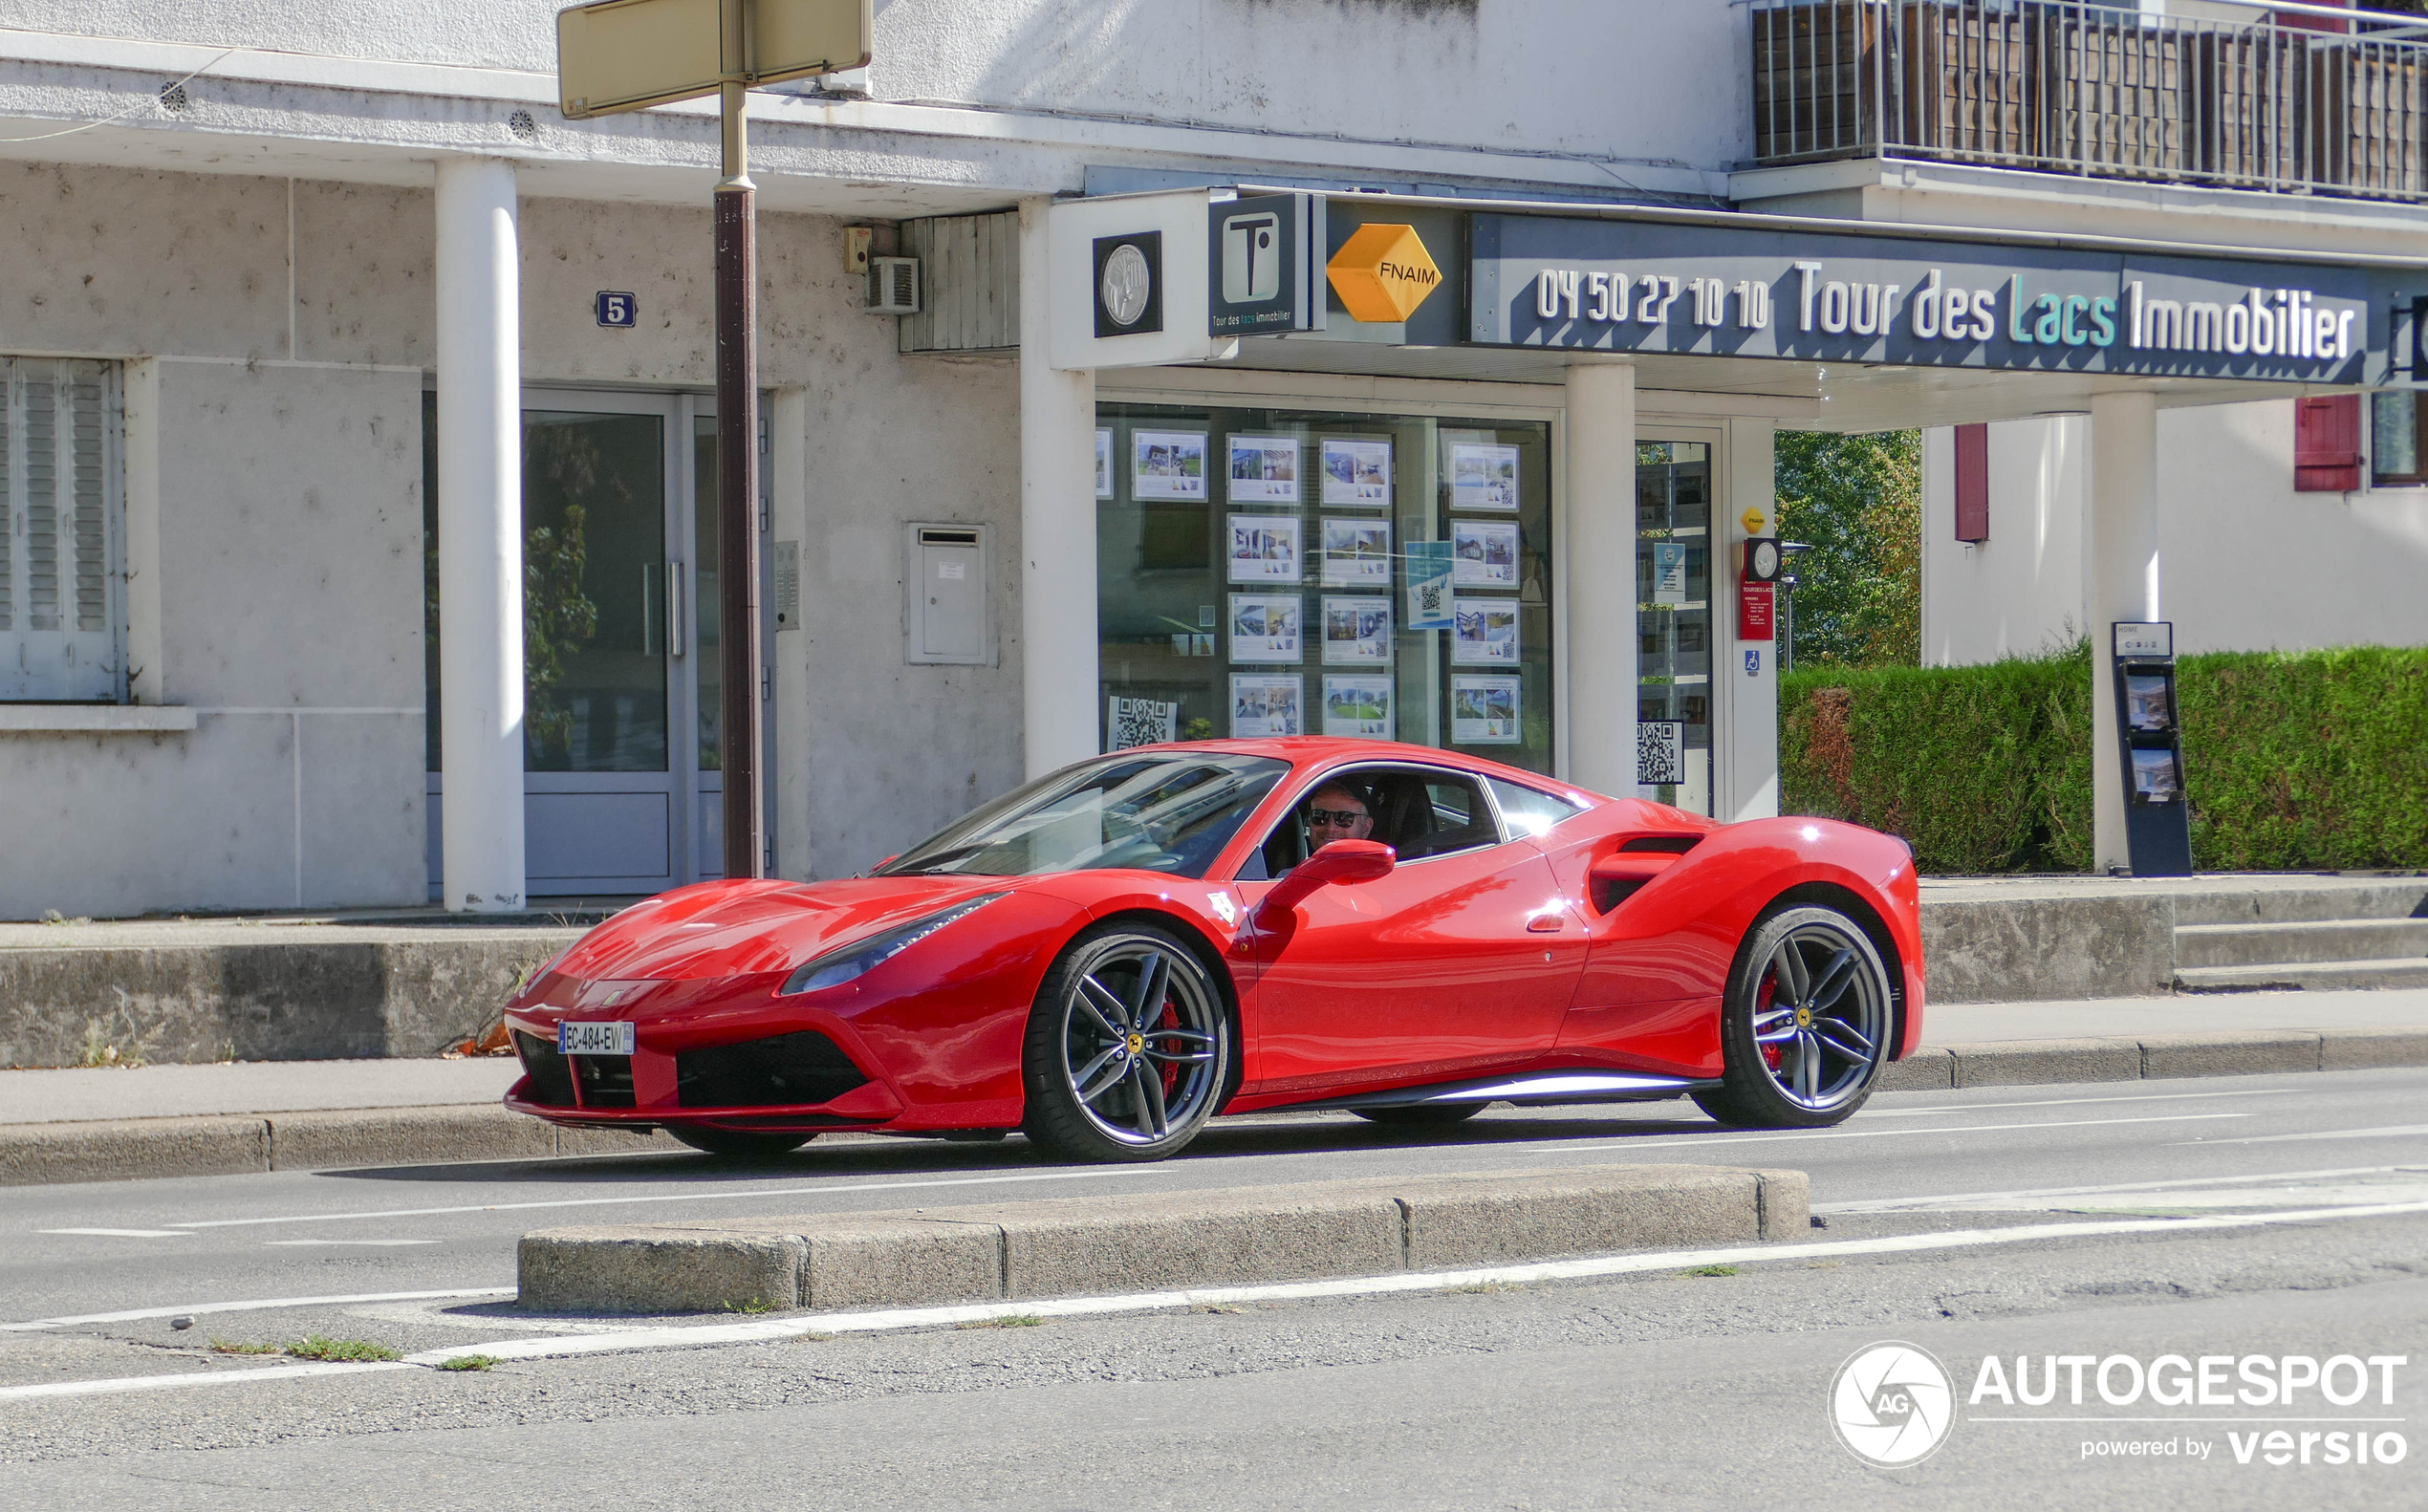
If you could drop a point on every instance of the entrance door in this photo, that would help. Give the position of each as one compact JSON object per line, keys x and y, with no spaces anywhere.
{"x":623,"y":788}
{"x":1673,"y":695}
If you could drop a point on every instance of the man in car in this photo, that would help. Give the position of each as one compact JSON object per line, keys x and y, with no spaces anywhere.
{"x":1335,"y":811}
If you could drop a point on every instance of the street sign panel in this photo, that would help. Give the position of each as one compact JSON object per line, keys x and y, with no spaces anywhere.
{"x":627,"y":54}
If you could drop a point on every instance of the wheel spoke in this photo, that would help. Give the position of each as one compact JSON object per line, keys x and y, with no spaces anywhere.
{"x":1120,"y":1074}
{"x":1154,"y":977}
{"x":1778,"y":1036}
{"x":1855,"y":1048}
{"x":1793,"y":980}
{"x":1772,"y":1019}
{"x":1174,"y":1058}
{"x":1151,"y":1115}
{"x":1089,"y":990}
{"x":1191,"y":1036}
{"x":1809,"y":1066}
{"x":1833,"y":981}
{"x":1079,"y":1077}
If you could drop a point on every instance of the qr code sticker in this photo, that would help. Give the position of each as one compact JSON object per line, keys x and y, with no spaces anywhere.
{"x":1661,"y":752}
{"x":1139,"y":721}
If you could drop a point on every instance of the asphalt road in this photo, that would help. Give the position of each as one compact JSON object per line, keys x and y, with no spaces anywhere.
{"x":1660,"y":1389}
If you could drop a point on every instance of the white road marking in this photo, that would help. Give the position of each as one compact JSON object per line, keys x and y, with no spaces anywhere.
{"x":294,"y":1244}
{"x":123,"y":1233}
{"x":268,"y":1305}
{"x":673,"y":1197}
{"x":1648,"y":1143}
{"x":2065,"y":1102}
{"x":1891,"y":1204}
{"x":698,"y":1335}
{"x":2399,"y":1132}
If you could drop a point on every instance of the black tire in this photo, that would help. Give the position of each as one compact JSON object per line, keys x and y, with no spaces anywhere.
{"x":1801,"y":1053}
{"x":1109,"y":1075}
{"x":1422,"y":1114}
{"x":740,"y":1144}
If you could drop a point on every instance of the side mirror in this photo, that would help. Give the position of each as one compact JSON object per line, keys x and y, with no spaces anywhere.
{"x":1341,"y":861}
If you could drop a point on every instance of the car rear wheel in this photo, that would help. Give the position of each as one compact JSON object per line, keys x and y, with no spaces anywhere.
{"x":1436,"y":1115}
{"x":1806,"y":1023}
{"x":740,"y":1144}
{"x":1129,"y":1047}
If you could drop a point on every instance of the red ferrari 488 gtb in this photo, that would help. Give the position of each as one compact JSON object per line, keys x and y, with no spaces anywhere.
{"x":1119,"y":952}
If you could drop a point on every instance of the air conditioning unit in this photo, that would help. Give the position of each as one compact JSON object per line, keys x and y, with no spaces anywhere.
{"x":893,"y":286}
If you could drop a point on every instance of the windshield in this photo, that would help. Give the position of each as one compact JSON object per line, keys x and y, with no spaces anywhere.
{"x":1162,"y":811}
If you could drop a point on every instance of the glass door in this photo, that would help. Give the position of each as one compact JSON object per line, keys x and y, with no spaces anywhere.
{"x":622,"y":779}
{"x":1673,"y":621}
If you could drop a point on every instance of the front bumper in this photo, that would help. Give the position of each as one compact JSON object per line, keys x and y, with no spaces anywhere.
{"x":797,"y":1080}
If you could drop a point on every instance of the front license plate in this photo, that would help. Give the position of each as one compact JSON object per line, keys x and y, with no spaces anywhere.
{"x":613,"y":1038}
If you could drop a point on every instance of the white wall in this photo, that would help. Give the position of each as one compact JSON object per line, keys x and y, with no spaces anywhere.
{"x":2246,"y":563}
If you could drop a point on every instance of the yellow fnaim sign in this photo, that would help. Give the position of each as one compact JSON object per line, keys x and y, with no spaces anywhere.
{"x":1382,"y":273}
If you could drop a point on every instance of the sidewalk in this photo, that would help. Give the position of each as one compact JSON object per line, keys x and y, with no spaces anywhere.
{"x":194,"y":1120}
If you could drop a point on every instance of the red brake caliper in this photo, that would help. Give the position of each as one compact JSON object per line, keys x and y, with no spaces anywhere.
{"x":1762,"y":1000}
{"x":1171,"y":1070}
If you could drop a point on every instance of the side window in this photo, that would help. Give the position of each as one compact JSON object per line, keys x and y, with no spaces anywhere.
{"x":1432,"y":813}
{"x":1530,"y":811}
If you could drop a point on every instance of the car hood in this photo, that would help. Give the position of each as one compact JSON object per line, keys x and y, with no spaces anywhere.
{"x":731,"y":929}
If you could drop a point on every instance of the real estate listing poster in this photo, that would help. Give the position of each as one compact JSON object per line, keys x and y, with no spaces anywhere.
{"x":1487,"y":552}
{"x":1264,"y":627}
{"x":1264,"y":704}
{"x":1264,"y":469}
{"x":1167,"y":464}
{"x":1356,"y":632}
{"x":1264,"y":548}
{"x":1487,"y":632}
{"x":1484,"y":477}
{"x":1484,"y":711}
{"x":1357,"y":472}
{"x":1357,"y":705}
{"x":1356,"y":553}
{"x":1429,"y":583}
{"x":1104,"y":464}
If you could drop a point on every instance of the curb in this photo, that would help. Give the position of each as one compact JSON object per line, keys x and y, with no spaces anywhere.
{"x":138,"y":1149}
{"x":2151,"y":1057}
{"x":1067,"y":1247}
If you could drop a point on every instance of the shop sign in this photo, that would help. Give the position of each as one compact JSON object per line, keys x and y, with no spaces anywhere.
{"x":1383,"y":272}
{"x":1767,"y":291}
{"x":1126,"y":276}
{"x":1258,"y":246}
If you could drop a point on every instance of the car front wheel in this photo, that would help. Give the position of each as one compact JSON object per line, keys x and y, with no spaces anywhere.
{"x":1129,"y":1047}
{"x":1806,"y":1023}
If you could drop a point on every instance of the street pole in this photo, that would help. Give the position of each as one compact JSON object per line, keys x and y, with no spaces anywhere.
{"x":738,"y":468}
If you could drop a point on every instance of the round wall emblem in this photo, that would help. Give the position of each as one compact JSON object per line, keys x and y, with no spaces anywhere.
{"x":1127,"y":283}
{"x":1892,"y":1405}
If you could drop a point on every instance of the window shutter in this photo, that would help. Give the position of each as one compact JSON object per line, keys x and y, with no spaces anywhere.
{"x":60,"y":635}
{"x":2314,"y":23}
{"x":1972,"y":483}
{"x":2326,"y":445}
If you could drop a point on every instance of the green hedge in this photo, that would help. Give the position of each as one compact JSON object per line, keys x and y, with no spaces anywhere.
{"x":2312,"y":759}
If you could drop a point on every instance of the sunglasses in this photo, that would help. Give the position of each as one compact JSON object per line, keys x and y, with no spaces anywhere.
{"x":1340,"y":818}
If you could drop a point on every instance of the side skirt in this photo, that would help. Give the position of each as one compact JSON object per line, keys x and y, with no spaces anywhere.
{"x":1531,"y":1088}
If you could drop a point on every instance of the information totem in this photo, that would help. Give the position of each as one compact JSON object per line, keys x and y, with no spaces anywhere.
{"x":2150,"y":738}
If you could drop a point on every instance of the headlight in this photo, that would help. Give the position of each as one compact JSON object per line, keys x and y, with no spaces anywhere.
{"x":842,"y":965}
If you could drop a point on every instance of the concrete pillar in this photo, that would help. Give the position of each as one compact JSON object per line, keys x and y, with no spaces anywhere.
{"x":1599,"y":566}
{"x":1746,"y":746}
{"x":479,"y":537}
{"x":1057,"y":523}
{"x":2120,"y":581}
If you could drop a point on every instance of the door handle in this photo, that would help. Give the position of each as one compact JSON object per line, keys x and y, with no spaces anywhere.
{"x":674,"y":609}
{"x":1545,"y":924}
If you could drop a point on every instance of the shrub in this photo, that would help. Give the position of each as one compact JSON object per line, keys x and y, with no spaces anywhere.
{"x":2291,"y":760}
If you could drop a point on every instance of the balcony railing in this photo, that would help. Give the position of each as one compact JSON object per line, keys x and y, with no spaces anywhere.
{"x":2100,"y":90}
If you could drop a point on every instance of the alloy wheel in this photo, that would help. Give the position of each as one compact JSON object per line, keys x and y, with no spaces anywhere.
{"x":1142,"y":1039}
{"x":1820,"y":1016}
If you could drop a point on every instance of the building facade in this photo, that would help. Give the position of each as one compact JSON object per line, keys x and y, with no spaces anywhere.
{"x":307,"y":313}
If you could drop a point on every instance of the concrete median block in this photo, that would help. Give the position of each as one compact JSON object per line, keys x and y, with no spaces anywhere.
{"x":2361,"y":1048}
{"x":1497,"y":1217}
{"x":879,"y":1262}
{"x":658,"y":1269}
{"x":1076,"y":1245}
{"x":2035,"y":1063}
{"x":2020,"y":950}
{"x":1930,"y":1068}
{"x":118,"y":1149}
{"x":316,"y":1141}
{"x":2230,"y":1053}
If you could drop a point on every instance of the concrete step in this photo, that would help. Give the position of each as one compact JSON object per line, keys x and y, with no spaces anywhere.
{"x":2321,"y":940}
{"x":2288,"y":900}
{"x":2308,"y":976}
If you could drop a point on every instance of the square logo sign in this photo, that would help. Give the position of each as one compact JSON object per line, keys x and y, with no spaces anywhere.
{"x":1258,"y":246}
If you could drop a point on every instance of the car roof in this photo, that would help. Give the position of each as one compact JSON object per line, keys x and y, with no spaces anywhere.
{"x":1309,"y":752}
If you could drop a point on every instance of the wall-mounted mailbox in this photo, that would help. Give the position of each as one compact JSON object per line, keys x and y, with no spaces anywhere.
{"x":945,"y":618}
{"x":2158,"y":821}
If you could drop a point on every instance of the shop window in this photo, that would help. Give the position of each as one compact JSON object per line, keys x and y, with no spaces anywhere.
{"x":2327,"y":443}
{"x":2394,"y":430}
{"x":1265,"y":572}
{"x":1673,"y":620}
{"x":62,"y":613}
{"x":1972,"y":483}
